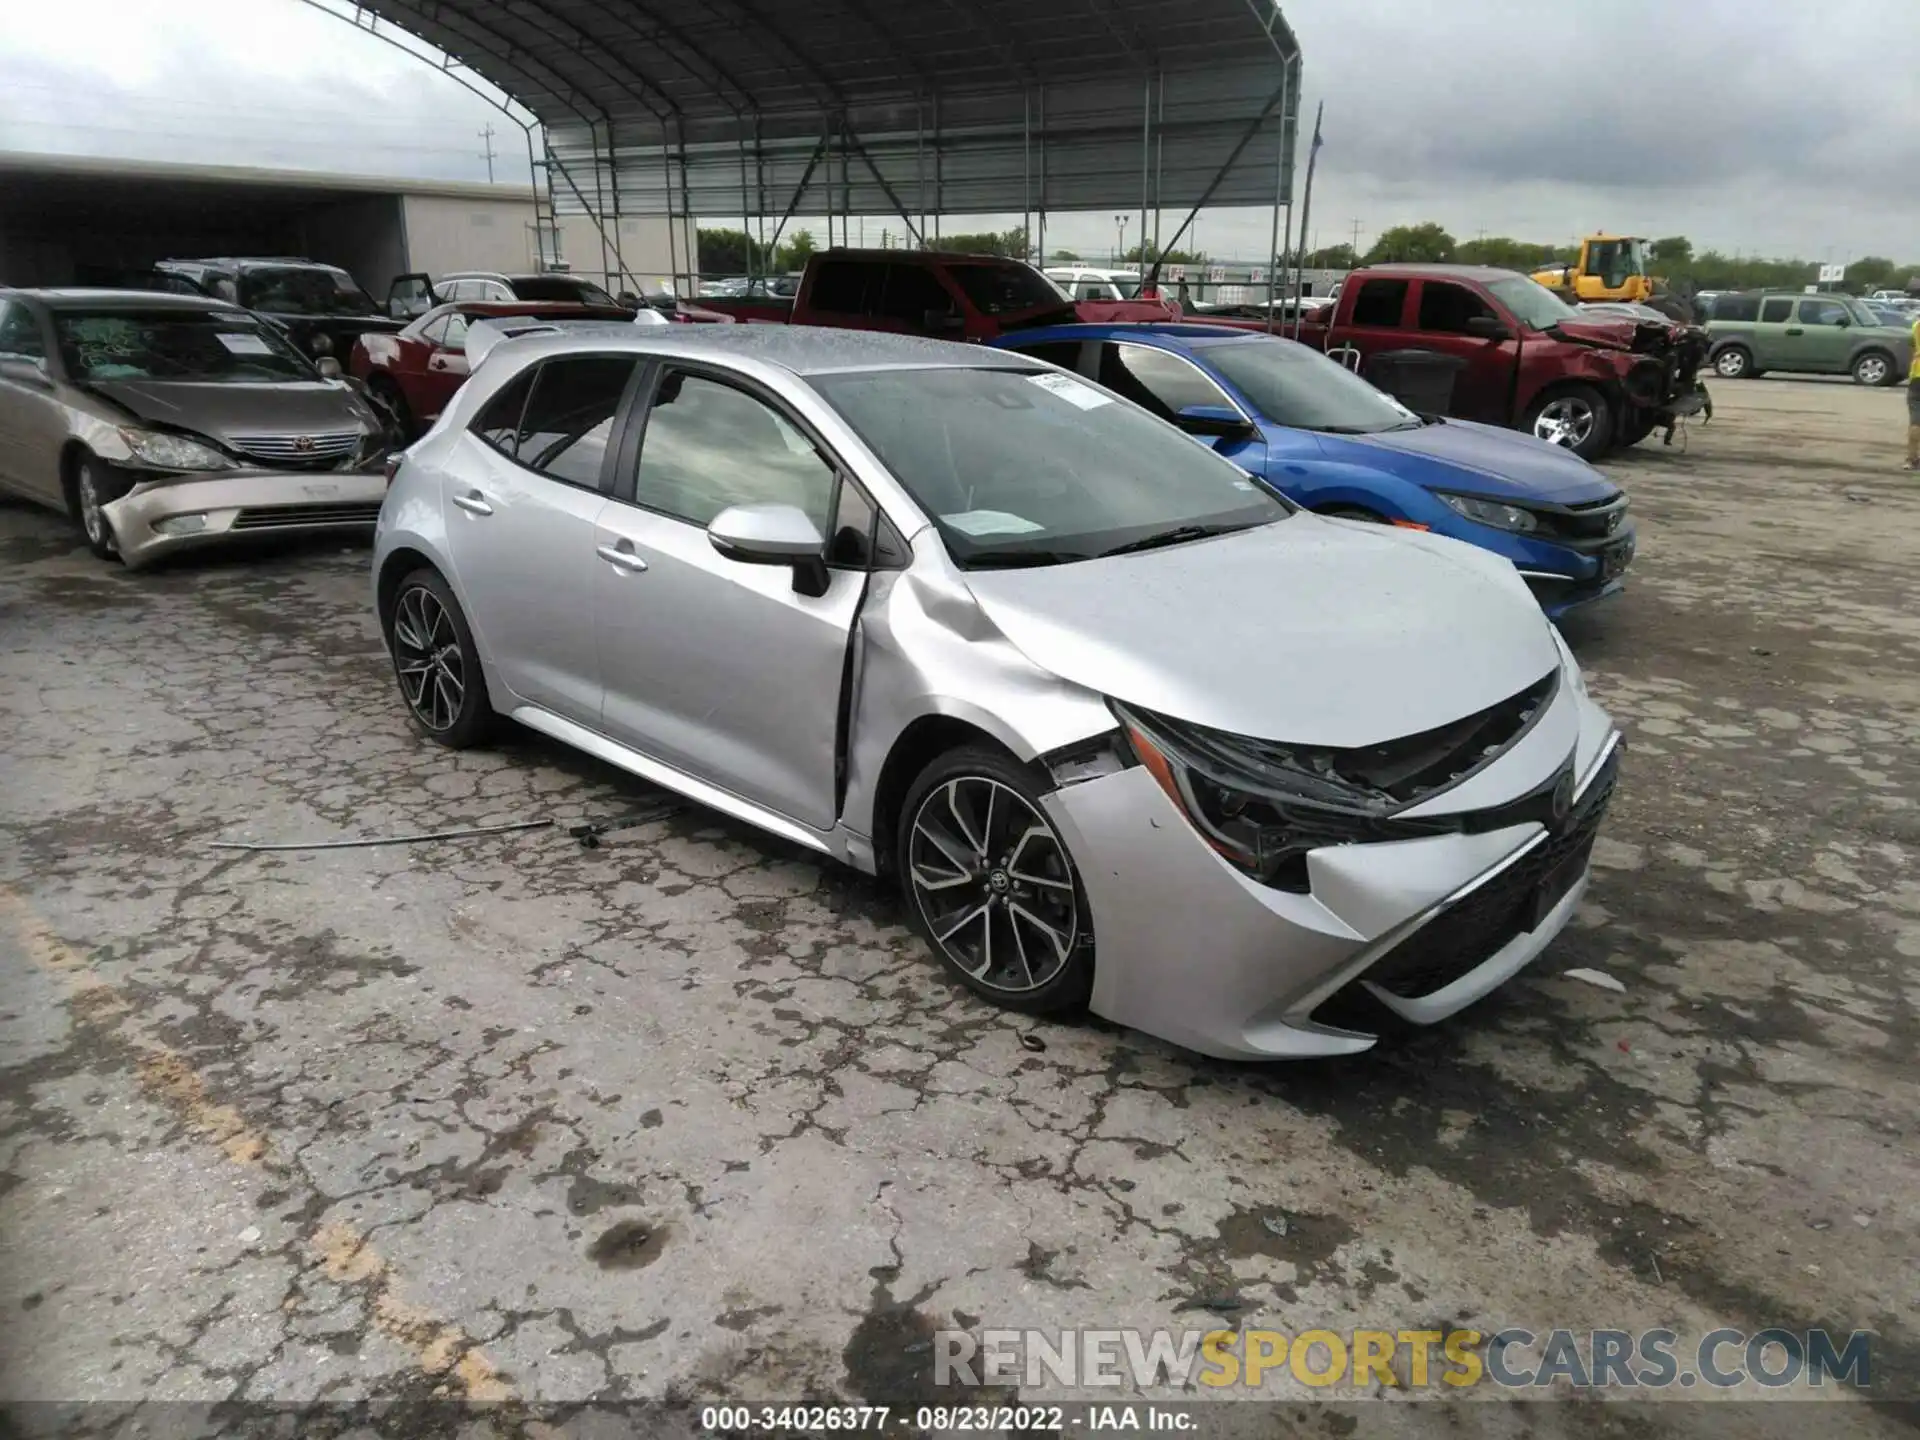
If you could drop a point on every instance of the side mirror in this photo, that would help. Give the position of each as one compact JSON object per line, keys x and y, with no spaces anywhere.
{"x":772,"y":534}
{"x":1488,"y":328}
{"x":26,"y":372}
{"x":1844,"y":321}
{"x":328,"y":367}
{"x":1214,"y":420}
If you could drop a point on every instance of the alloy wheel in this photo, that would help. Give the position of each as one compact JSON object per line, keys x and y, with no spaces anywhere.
{"x":1872,"y":371}
{"x":1567,"y":421}
{"x":1731,"y":365}
{"x":994,"y":884}
{"x":426,"y":655}
{"x":92,"y":517}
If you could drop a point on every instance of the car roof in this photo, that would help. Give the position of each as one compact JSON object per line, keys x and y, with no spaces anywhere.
{"x":1171,"y":336}
{"x":558,"y":309}
{"x":79,"y":298}
{"x":800,"y":349}
{"x":278,"y":262}
{"x":1457,"y":272}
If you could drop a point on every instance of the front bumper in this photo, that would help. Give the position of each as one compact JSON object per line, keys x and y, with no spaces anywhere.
{"x":233,"y":505}
{"x":1563,"y":578}
{"x":1192,"y":950}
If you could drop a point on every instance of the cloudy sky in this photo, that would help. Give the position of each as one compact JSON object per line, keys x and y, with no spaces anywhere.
{"x":1782,"y":128}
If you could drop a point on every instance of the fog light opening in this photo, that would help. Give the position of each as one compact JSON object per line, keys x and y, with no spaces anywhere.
{"x":181,"y":524}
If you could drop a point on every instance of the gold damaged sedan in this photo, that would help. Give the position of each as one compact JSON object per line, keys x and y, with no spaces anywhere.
{"x":167,"y":422}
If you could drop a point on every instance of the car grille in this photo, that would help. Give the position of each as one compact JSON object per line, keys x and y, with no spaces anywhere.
{"x":324,"y":449}
{"x":1585,"y":526}
{"x":1480,"y":922}
{"x":291,"y":517}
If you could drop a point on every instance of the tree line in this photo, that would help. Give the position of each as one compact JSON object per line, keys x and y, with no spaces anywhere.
{"x":1675,"y":261}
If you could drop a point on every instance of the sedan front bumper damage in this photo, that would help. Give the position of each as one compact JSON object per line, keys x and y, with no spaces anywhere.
{"x":163,"y":515}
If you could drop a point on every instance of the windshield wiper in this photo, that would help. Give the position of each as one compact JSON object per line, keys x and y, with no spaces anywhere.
{"x":1178,"y":535}
{"x":1022,"y":559}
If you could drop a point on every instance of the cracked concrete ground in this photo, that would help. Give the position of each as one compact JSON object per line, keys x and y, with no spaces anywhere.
{"x":691,"y":1115}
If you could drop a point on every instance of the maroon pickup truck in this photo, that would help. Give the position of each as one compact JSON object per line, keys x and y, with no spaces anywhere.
{"x":1491,"y":345}
{"x":930,"y":292}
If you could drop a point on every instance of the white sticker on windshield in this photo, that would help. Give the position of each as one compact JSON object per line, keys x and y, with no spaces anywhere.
{"x":990,"y":522}
{"x":1071,"y":391}
{"x":242,"y":342}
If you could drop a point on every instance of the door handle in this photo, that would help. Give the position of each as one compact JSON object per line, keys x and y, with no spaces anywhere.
{"x":1795,"y":330}
{"x":621,"y":556}
{"x":474,"y":502}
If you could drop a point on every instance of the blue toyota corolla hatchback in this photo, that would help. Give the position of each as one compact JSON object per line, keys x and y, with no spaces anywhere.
{"x":1328,"y":440}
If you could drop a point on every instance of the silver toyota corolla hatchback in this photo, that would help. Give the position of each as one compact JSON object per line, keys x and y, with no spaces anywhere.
{"x":1127,"y":727}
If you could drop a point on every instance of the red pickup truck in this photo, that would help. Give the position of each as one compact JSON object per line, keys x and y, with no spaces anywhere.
{"x":1507,"y":351}
{"x":930,"y":292}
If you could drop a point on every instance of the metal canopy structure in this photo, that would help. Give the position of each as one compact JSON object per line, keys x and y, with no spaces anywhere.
{"x":771,"y":108}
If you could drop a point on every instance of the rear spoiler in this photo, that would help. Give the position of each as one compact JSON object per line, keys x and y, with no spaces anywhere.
{"x":484,"y":335}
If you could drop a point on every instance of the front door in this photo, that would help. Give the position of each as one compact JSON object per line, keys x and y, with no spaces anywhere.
{"x":522,"y":507}
{"x":1483,"y":380}
{"x":1826,"y":334}
{"x":719,"y":668}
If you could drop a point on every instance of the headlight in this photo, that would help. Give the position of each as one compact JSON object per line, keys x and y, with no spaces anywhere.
{"x":166,"y":451}
{"x":1264,"y":805}
{"x":1491,"y":512}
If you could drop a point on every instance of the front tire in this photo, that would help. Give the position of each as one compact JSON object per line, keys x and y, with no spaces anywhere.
{"x":1576,"y":417}
{"x":1875,"y":367}
{"x":94,"y":488}
{"x":990,"y":886}
{"x":436,"y":663}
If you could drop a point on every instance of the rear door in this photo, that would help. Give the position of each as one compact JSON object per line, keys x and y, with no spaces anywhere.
{"x":1826,"y":334}
{"x":523,"y":505}
{"x":1377,"y":320}
{"x":1776,"y":339}
{"x":721,"y":669}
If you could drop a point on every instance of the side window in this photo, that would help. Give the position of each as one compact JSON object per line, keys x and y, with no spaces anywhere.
{"x":498,"y":422}
{"x":911,"y":291}
{"x":1447,"y":307}
{"x":20,"y":332}
{"x":223,"y":288}
{"x":840,"y":288}
{"x":1090,"y":290}
{"x":1163,"y":383}
{"x":1776,"y":311}
{"x":457,"y":327}
{"x":1822,"y":312}
{"x":569,"y":417}
{"x":1743,"y":309}
{"x":1380,"y":302}
{"x":708,"y":446}
{"x":492,"y":290}
{"x":436,"y":333}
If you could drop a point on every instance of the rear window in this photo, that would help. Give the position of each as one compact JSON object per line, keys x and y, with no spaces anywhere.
{"x":1735,"y":307}
{"x":1005,"y":289}
{"x":1776,"y":311}
{"x":1380,"y":302}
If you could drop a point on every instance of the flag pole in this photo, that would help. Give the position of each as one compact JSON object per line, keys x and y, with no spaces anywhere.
{"x":1306,"y":210}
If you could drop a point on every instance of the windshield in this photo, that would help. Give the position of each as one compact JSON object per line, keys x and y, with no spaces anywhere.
{"x":543,"y":287}
{"x":1537,"y":307}
{"x":217,"y":347}
{"x":1293,"y":385}
{"x":1036,"y":467}
{"x":307,"y":290}
{"x":1004,"y":289}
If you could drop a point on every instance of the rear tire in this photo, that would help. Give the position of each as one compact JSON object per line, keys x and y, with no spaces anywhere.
{"x":436,"y":663}
{"x":1734,"y":362}
{"x":990,"y":886}
{"x":1873,"y":367}
{"x":94,"y":488}
{"x":1575,"y":417}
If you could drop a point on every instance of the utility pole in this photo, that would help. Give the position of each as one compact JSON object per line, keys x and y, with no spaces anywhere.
{"x":1120,"y":252}
{"x":1356,"y":242}
{"x":486,"y":137}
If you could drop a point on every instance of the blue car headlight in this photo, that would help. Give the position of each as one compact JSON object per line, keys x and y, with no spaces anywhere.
{"x":1491,"y":512}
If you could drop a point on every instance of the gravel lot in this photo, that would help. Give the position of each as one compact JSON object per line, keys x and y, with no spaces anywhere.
{"x":690,"y":1114}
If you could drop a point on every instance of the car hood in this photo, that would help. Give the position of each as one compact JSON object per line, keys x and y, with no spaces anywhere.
{"x":1481,"y":459}
{"x":221,"y":411}
{"x":1318,"y":632}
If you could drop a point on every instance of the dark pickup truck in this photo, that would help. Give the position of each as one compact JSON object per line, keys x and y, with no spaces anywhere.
{"x":931,"y":292}
{"x":321,"y":307}
{"x":1491,"y":345}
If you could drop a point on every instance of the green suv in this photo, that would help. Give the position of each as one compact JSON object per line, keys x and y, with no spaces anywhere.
{"x":1762,"y":330}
